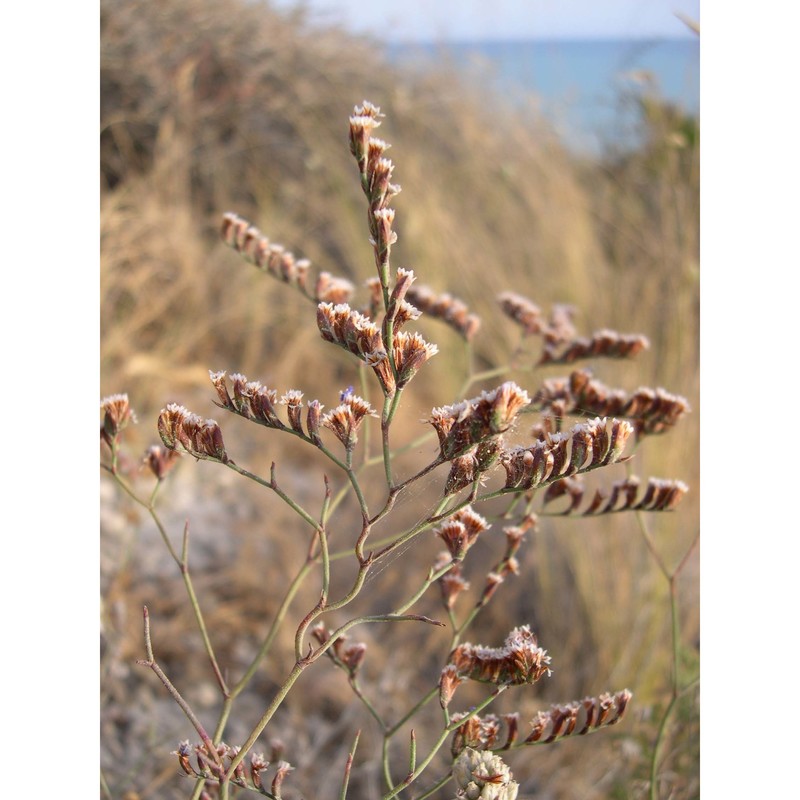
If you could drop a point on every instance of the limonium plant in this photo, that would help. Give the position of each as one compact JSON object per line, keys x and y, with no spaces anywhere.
{"x":524,"y":449}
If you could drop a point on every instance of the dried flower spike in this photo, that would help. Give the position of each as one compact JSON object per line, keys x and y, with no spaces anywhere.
{"x":602,"y":344}
{"x":520,"y":660}
{"x":257,"y":765}
{"x":411,"y":351}
{"x":479,"y":733}
{"x":449,"y":681}
{"x":659,"y":495}
{"x":250,"y":399}
{"x":588,"y":446}
{"x":652,"y":411}
{"x":160,"y":460}
{"x":365,"y":119}
{"x":450,"y":310}
{"x":293,"y":400}
{"x":181,"y":429}
{"x":460,"y":531}
{"x":283,"y":769}
{"x":117,"y":415}
{"x":578,"y":718}
{"x":248,"y":240}
{"x":523,"y":311}
{"x":470,"y":422}
{"x":345,"y":420}
{"x":452,"y":583}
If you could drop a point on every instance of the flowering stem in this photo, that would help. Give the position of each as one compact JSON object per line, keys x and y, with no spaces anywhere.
{"x":438,"y":515}
{"x":323,"y":546}
{"x":677,"y":692}
{"x":273,"y":631}
{"x":296,"y":672}
{"x":183,"y":565}
{"x":353,"y":681}
{"x":151,"y":662}
{"x":298,"y":669}
{"x":387,"y":454}
{"x":272,"y":484}
{"x":195,"y":603}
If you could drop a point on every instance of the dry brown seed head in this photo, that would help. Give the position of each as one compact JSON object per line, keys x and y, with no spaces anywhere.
{"x":474,"y":421}
{"x":383,"y":235}
{"x":403,"y":280}
{"x":403,"y":312}
{"x":361,"y":127}
{"x":353,"y":656}
{"x":507,"y":401}
{"x":218,"y":381}
{"x":454,"y":535}
{"x":463,"y":472}
{"x":313,"y":420}
{"x":451,"y":583}
{"x":523,"y":311}
{"x":257,"y":765}
{"x":411,"y":351}
{"x":200,"y":437}
{"x":293,"y":400}
{"x":450,"y":310}
{"x":380,"y":190}
{"x":449,"y":681}
{"x":117,"y":414}
{"x":161,"y":460}
{"x":341,"y":421}
{"x":474,"y":523}
{"x":283,"y":769}
{"x":184,"y":752}
{"x":520,"y":660}
{"x":367,"y":109}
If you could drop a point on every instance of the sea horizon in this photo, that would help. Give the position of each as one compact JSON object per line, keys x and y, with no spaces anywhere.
{"x":579,"y":84}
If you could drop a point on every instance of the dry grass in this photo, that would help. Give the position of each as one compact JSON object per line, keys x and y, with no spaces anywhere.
{"x":217,"y":106}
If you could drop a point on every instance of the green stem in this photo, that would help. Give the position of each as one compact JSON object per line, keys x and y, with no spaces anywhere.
{"x":274,"y":628}
{"x":296,"y":672}
{"x":183,"y":565}
{"x":414,"y":774}
{"x":387,"y":452}
{"x":272,"y":484}
{"x":409,"y":714}
{"x":432,"y":578}
{"x":365,"y":700}
{"x":298,"y":669}
{"x":482,"y":376}
{"x":387,"y":772}
{"x":176,"y":695}
{"x":677,"y":692}
{"x":445,"y":779}
{"x":348,"y":767}
{"x":437,"y":516}
{"x":195,"y":603}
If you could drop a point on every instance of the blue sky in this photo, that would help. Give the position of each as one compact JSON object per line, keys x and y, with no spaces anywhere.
{"x":454,"y":20}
